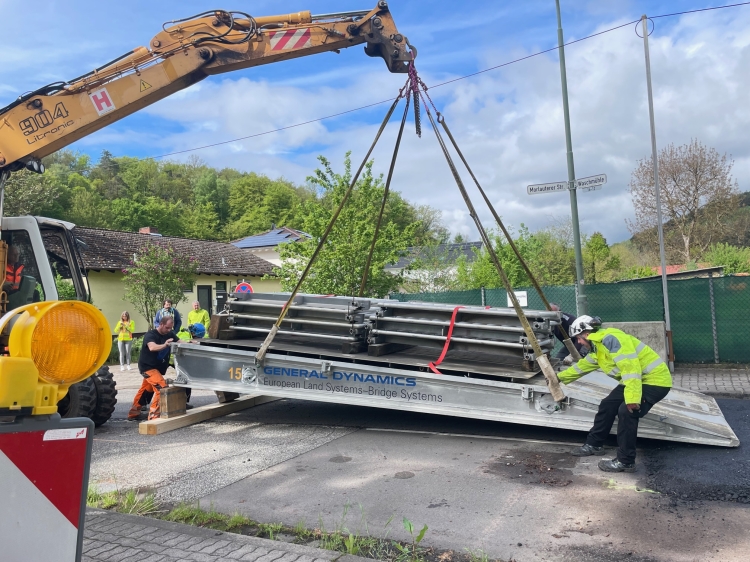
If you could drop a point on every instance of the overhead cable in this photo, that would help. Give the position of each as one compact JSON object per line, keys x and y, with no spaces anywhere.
{"x":440,"y":84}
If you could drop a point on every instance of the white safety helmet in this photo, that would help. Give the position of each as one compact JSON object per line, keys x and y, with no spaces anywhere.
{"x":585,"y":324}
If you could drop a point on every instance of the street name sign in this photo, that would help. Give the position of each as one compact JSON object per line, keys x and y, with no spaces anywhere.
{"x":547,"y":187}
{"x":591,"y":183}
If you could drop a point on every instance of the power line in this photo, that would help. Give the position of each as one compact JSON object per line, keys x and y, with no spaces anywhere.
{"x":514,"y":61}
{"x":701,"y":10}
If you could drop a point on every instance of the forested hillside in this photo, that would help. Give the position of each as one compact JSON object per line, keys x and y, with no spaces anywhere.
{"x":181,"y":199}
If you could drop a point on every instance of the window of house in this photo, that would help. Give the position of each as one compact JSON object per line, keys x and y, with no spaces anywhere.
{"x":221,"y":286}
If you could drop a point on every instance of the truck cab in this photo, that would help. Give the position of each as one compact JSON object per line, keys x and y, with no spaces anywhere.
{"x":48,"y":267}
{"x":49,"y":261}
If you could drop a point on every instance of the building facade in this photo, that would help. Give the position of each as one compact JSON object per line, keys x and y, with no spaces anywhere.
{"x":221,"y":267}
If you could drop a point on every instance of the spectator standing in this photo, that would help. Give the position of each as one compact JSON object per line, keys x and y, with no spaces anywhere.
{"x":124,"y":329}
{"x":198,"y":316}
{"x":168,"y":310}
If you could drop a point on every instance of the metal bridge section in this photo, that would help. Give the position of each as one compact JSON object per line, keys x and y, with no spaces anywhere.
{"x":684,"y":416}
{"x":380,"y":353}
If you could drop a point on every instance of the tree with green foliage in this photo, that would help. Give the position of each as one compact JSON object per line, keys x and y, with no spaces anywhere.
{"x":432,"y":269}
{"x":157,"y":273}
{"x":732,"y":258}
{"x":66,"y":291}
{"x":186,"y":199}
{"x":599,"y":264}
{"x":481,"y":272}
{"x":25,"y":192}
{"x":340,"y":265}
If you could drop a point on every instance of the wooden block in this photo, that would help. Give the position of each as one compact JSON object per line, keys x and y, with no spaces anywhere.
{"x":218,"y":323}
{"x":225,"y":397}
{"x":172,"y":402}
{"x":203,"y":413}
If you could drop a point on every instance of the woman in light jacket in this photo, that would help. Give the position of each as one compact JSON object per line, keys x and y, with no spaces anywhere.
{"x":124,"y":330}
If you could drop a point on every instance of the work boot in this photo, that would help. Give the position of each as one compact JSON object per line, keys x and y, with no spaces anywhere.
{"x":135,"y":414}
{"x":587,"y":450}
{"x":615,"y":465}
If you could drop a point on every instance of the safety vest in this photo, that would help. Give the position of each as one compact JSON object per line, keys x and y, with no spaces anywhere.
{"x":199,"y":317}
{"x":625,"y":359}
{"x":13,"y":275}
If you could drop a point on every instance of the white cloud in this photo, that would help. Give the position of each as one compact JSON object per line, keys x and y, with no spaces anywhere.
{"x":508,"y":122}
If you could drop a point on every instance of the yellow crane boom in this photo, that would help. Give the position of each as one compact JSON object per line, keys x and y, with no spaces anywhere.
{"x":185,"y":52}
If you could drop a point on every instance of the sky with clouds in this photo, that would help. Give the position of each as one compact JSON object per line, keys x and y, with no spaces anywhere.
{"x":508,"y":121}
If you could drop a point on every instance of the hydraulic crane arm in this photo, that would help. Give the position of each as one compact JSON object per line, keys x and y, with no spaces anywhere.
{"x":185,"y":52}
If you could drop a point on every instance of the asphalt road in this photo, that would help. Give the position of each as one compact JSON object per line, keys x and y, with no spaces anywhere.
{"x":510,"y":490}
{"x":694,"y":472}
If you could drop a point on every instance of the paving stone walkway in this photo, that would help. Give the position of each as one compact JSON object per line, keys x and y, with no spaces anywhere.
{"x":720,"y":382}
{"x":116,"y":537}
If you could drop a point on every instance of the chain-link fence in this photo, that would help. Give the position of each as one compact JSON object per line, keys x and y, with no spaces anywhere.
{"x":709,"y":315}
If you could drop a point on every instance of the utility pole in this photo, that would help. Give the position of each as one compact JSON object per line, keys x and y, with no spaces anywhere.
{"x":581,"y":300}
{"x":659,"y":227}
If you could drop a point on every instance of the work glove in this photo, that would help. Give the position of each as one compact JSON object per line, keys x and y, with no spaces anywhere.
{"x":568,"y":360}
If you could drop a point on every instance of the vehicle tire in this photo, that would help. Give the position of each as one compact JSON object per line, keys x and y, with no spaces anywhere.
{"x":80,"y":400}
{"x":106,"y":396}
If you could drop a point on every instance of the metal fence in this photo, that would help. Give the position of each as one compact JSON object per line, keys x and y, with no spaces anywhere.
{"x":709,"y":314}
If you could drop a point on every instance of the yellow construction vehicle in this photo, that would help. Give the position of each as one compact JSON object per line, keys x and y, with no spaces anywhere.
{"x":52,"y":348}
{"x":185,"y":52}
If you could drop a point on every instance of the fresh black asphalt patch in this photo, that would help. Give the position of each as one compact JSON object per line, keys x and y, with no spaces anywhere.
{"x":698,"y":472}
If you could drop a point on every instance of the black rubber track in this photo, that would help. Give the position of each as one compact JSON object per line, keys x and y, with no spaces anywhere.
{"x":80,"y":400}
{"x":106,"y":396}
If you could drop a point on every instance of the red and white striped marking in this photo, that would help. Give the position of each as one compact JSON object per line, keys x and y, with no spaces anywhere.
{"x":290,"y":39}
{"x":41,"y":479}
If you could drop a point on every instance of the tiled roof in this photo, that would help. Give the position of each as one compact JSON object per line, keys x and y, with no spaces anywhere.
{"x":451,"y":253}
{"x":113,"y":250}
{"x":271,"y":238}
{"x":672,"y":269}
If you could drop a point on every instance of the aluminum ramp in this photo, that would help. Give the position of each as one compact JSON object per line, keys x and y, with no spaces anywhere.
{"x":683,"y":416}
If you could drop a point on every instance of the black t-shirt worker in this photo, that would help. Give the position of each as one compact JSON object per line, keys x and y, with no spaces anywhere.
{"x":153,"y":363}
{"x":566,"y":320}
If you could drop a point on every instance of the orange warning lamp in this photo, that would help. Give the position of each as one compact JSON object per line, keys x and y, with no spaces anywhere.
{"x":51,"y":345}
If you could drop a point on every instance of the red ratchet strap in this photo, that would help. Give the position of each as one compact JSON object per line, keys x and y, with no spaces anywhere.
{"x":433,"y":366}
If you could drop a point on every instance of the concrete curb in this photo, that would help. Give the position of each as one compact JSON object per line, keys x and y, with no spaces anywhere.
{"x":200,"y":532}
{"x":737,"y":394}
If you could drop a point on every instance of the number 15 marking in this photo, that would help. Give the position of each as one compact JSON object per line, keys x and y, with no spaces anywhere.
{"x":235,"y":373}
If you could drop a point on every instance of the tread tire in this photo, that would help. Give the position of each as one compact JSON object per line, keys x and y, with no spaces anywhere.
{"x":80,"y":400}
{"x":106,"y":396}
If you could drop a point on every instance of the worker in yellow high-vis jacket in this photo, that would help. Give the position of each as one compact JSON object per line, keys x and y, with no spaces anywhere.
{"x":644,"y":380}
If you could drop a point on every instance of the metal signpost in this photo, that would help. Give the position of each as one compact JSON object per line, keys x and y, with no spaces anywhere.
{"x":654,"y":157}
{"x":581,"y":301}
